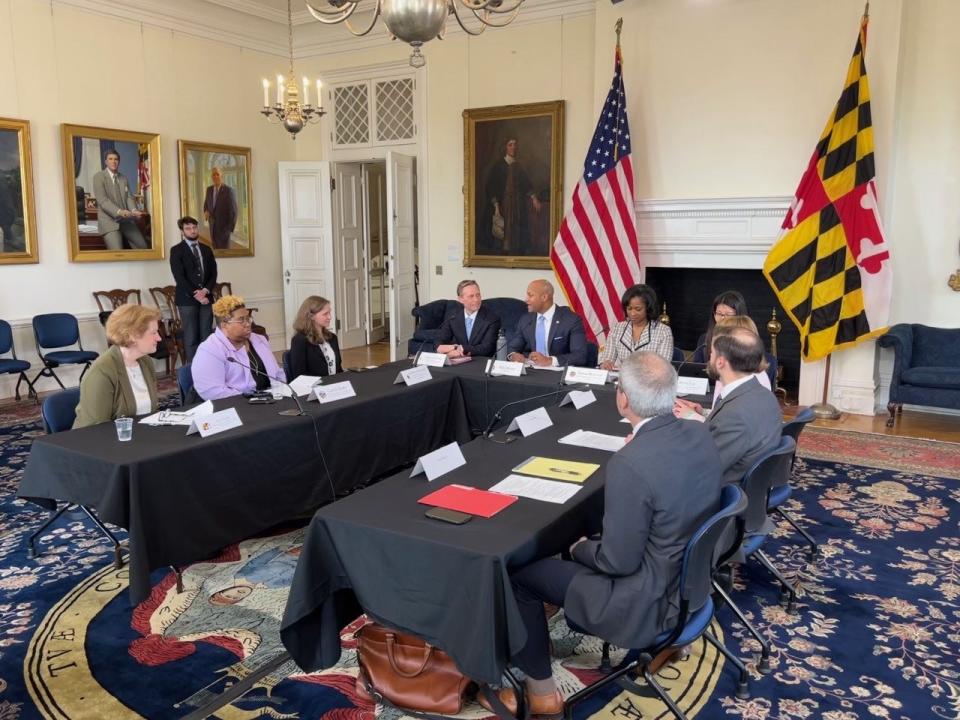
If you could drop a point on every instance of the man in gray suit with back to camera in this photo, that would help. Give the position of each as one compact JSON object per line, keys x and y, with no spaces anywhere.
{"x":746,"y":419}
{"x":622,"y":586}
{"x":117,"y":213}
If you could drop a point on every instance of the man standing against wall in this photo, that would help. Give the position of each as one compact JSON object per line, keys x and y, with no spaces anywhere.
{"x":195,"y":272}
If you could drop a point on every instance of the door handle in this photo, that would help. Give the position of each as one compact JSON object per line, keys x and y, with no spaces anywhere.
{"x":286,"y":273}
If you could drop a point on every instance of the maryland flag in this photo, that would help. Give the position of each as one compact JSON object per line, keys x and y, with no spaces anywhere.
{"x":830,"y":268}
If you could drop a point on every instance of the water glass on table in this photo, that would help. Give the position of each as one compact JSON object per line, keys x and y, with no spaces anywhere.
{"x":124,"y":427}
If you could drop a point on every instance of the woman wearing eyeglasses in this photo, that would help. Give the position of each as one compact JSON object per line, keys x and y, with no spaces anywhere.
{"x":727,"y":304}
{"x":233,"y":360}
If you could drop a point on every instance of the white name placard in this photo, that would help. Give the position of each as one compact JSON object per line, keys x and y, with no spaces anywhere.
{"x":531,"y":422}
{"x":692,"y":386}
{"x":505,"y":368}
{"x":214,"y":423}
{"x":334,"y":392}
{"x":439,"y":462}
{"x":579,"y":398}
{"x":590,"y":376}
{"x":432,"y":359}
{"x":418,"y":374}
{"x":304,"y":384}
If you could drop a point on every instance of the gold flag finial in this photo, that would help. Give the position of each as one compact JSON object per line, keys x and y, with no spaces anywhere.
{"x":619,"y":27}
{"x":866,"y":9}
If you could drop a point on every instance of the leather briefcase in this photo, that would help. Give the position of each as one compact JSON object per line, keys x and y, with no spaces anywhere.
{"x":407,"y":672}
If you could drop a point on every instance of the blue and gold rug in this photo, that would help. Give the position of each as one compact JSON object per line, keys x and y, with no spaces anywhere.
{"x":877,"y":634}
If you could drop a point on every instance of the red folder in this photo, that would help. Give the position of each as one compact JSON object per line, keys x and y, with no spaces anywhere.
{"x":468,"y":500}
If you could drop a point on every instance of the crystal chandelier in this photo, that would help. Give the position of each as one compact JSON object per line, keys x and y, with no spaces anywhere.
{"x":418,"y":21}
{"x":288,"y":109}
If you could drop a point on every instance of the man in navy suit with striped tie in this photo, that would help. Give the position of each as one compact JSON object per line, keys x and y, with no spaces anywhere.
{"x":549,"y":334}
{"x":471,"y":331}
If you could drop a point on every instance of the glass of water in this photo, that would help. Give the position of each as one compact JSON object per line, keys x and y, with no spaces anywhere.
{"x":124,"y":428}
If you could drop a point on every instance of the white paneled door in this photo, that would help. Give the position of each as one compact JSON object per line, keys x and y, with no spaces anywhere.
{"x":401,"y":244}
{"x":349,"y":221}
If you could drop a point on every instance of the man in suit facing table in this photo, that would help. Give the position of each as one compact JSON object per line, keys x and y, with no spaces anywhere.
{"x":220,"y":210}
{"x":195,"y":272}
{"x":622,"y":586}
{"x":470,"y":332}
{"x":117,"y":213}
{"x":548,"y":334}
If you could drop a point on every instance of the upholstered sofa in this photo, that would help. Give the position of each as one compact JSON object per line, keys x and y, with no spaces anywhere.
{"x":926,"y":367}
{"x":430,"y":318}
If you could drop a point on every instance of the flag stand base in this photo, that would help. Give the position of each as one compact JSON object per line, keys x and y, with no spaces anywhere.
{"x":825,"y":411}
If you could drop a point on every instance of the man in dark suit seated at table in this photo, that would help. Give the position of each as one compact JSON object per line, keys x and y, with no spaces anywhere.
{"x":472,"y":331}
{"x":548,"y":334}
{"x":623,"y":586}
{"x":746,"y":418}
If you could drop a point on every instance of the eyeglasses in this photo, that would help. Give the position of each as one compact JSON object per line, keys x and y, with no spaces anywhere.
{"x":720,"y":315}
{"x":241,"y":321}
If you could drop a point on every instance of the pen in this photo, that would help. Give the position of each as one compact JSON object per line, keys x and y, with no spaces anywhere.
{"x":566,"y":472}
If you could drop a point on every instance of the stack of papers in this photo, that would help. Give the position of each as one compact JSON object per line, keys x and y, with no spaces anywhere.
{"x":536,"y":489}
{"x":593,"y":440}
{"x":554,"y":469}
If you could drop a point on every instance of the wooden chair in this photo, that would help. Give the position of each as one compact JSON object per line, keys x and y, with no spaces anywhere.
{"x":115,"y":298}
{"x":220,"y":289}
{"x":171,"y":329}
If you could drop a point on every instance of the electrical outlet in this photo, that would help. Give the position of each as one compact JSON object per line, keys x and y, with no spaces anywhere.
{"x":439,"y":270}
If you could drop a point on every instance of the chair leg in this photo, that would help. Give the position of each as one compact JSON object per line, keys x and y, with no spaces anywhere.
{"x":787,"y":591}
{"x":32,"y":541}
{"x":179,"y":575}
{"x":668,"y":701}
{"x":763,"y":663}
{"x":892,"y":409}
{"x":743,"y":684}
{"x":605,"y":658}
{"x":814,"y":549}
{"x":520,"y":691}
{"x":589,"y":690}
{"x":83,"y":372}
{"x":117,"y":556}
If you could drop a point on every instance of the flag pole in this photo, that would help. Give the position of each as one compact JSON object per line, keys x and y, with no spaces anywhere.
{"x":616,"y":146}
{"x":824,"y":410}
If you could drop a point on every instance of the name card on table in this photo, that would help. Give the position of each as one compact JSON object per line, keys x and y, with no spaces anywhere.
{"x":579,"y":398}
{"x":418,"y":374}
{"x":439,"y":462}
{"x":505,"y":368}
{"x":432,"y":359}
{"x":531,"y":422}
{"x":334,"y":392}
{"x":214,"y":423}
{"x":692,"y":386}
{"x":590,"y":376}
{"x":302,"y":385}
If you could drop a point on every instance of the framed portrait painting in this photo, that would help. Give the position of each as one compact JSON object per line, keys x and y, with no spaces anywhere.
{"x":513,"y":184}
{"x":18,"y":229}
{"x":215,"y":188}
{"x":113,"y":198}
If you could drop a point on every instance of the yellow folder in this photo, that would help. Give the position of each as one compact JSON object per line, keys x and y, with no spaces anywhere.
{"x":556,"y":469}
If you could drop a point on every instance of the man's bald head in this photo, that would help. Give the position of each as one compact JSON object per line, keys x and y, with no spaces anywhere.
{"x":539,"y":296}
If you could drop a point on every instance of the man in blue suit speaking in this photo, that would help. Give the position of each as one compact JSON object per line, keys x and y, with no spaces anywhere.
{"x":548,"y":334}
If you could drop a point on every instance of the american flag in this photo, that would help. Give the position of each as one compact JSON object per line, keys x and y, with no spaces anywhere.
{"x":595,"y":254}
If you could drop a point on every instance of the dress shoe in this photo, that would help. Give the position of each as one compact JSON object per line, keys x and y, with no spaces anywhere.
{"x":541,"y":706}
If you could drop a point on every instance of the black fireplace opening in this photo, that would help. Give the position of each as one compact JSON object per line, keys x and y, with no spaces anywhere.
{"x":689,"y":292}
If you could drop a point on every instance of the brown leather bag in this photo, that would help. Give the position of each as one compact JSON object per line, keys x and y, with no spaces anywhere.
{"x":407,"y":672}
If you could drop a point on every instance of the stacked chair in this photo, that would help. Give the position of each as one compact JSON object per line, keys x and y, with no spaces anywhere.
{"x":13,"y":365}
{"x":59,"y":330}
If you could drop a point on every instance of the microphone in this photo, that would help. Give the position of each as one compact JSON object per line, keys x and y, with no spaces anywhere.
{"x":416,"y":355}
{"x":498,"y":415}
{"x":291,"y":413}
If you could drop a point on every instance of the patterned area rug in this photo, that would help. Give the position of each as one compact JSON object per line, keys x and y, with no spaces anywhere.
{"x":877,"y":632}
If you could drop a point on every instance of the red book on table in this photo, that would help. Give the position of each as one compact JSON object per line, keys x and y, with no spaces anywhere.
{"x":468,"y":500}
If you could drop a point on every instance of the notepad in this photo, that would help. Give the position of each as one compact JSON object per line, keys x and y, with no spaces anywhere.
{"x":474,"y":501}
{"x":554,"y":469}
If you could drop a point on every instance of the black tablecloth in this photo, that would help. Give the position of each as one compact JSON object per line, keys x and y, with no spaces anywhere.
{"x":446,"y":583}
{"x":184,"y":498}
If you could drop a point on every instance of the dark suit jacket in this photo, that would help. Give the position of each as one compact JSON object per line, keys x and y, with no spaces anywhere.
{"x":483,"y":339}
{"x":566,"y":339}
{"x":223,"y":214}
{"x":659,"y":488}
{"x":745,"y":426}
{"x":184,"y":267}
{"x":307,"y":358}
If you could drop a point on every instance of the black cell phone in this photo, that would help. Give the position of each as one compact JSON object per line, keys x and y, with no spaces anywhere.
{"x":261,"y":400}
{"x":450,"y":516}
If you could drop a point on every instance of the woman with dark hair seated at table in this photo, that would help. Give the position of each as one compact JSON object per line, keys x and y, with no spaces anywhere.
{"x":122,"y":382}
{"x":314,"y":350}
{"x":640,"y":331}
{"x":729,"y":303}
{"x":233,"y":360}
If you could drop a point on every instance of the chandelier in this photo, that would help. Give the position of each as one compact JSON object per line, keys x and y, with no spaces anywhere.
{"x":418,"y":21}
{"x":288,"y":109}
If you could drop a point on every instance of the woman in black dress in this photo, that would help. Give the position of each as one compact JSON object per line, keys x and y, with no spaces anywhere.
{"x":314,"y":350}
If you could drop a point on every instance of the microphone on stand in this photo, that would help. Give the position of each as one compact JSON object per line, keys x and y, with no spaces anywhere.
{"x":290,"y":413}
{"x":416,"y":355}
{"x":498,"y":415}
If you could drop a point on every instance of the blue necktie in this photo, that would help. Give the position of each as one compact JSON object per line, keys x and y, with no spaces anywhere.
{"x":542,"y":335}
{"x":469,"y":326}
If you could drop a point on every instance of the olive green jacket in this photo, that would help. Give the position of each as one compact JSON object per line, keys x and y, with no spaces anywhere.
{"x":105,"y":392}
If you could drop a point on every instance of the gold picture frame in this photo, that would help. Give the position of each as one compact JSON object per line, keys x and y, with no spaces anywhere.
{"x":112,"y":214}
{"x":513,"y":184}
{"x":233,"y":201}
{"x":18,"y":219}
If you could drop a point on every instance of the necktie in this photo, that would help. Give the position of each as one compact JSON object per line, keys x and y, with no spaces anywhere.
{"x":196,"y":256}
{"x":213,"y":197}
{"x":116,"y":186}
{"x":542,"y":335}
{"x":469,"y":326}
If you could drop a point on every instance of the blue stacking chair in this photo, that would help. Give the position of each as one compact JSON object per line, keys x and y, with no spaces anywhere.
{"x":696,"y":613}
{"x":286,"y":365}
{"x":780,"y":494}
{"x":58,"y":412}
{"x":185,"y":385}
{"x":59,"y":330}
{"x":678,"y":355}
{"x":13,"y":364}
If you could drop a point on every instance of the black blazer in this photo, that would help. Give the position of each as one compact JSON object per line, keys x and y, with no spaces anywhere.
{"x":483,"y":339}
{"x":307,"y":358}
{"x":184,"y":267}
{"x":566,"y":340}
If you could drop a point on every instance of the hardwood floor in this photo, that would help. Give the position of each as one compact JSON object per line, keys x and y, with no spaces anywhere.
{"x":376,"y":354}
